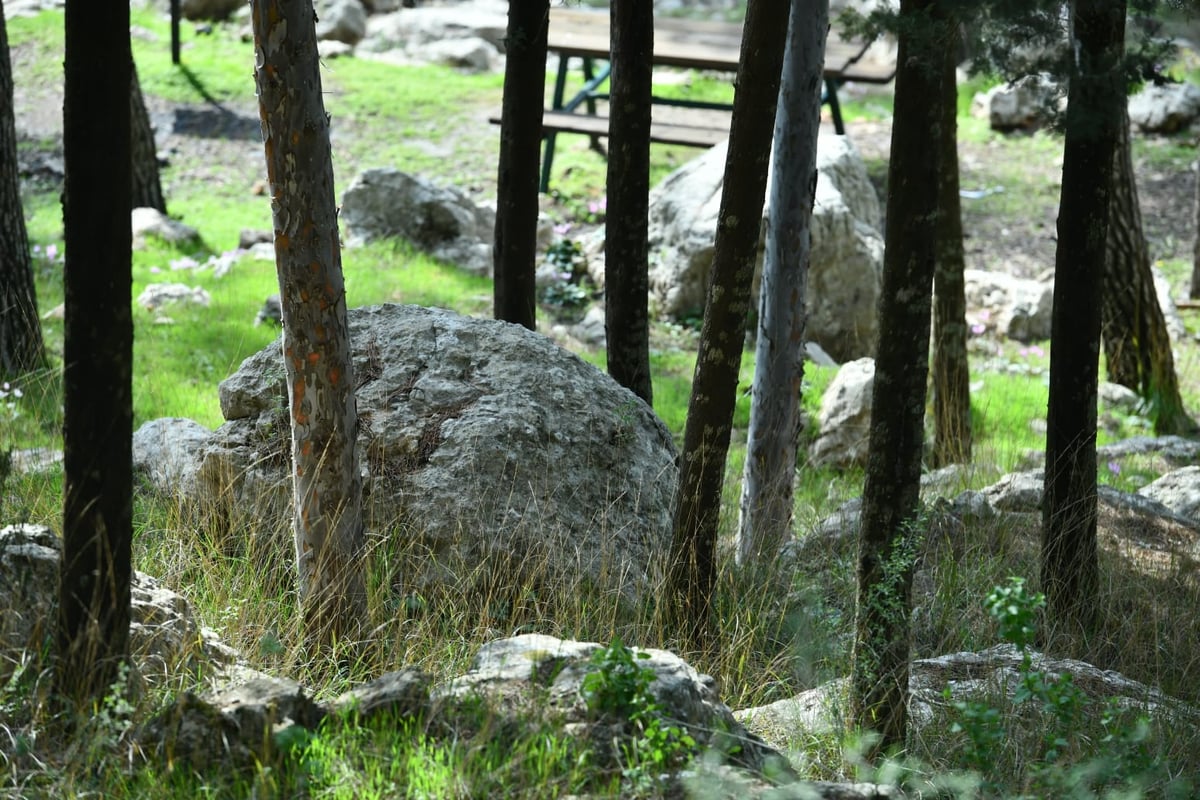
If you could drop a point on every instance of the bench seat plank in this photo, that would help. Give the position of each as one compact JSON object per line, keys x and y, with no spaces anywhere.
{"x":664,"y":132}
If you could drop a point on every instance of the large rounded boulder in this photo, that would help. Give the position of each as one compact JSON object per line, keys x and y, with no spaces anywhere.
{"x":482,"y":445}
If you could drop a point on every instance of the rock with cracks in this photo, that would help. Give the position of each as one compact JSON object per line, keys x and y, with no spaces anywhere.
{"x":847,"y":249}
{"x":490,"y":457}
{"x":164,"y":637}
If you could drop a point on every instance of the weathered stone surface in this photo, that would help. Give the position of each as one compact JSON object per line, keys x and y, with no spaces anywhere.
{"x":208,"y":9}
{"x":441,"y":220}
{"x":1176,"y":450}
{"x":157,"y":295}
{"x":164,"y":451}
{"x":481,"y":443}
{"x":163,"y":636}
{"x":237,"y":728}
{"x":341,"y":21}
{"x":1018,"y":308}
{"x":407,"y":35}
{"x":1118,"y":397}
{"x":1023,"y":491}
{"x":518,"y":666}
{"x":844,"y":422}
{"x":1022,"y":105}
{"x":989,"y":675}
{"x":393,"y":696}
{"x":847,"y":249}
{"x":1165,"y":109}
{"x":150,"y":222}
{"x":1178,"y":491}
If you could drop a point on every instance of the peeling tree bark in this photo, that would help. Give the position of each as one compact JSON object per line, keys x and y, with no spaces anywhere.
{"x":316,"y":339}
{"x":769,"y":477}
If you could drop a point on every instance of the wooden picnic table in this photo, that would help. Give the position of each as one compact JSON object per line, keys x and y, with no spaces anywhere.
{"x":583,"y":35}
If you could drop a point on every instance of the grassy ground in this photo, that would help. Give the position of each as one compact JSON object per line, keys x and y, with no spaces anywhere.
{"x":428,"y":120}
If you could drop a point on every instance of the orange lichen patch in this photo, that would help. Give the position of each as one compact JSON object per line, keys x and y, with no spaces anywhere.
{"x":335,"y":375}
{"x":313,"y":358}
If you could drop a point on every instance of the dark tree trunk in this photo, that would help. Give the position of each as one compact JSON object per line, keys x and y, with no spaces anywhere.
{"x":1070,"y":572}
{"x":146,"y":187}
{"x":93,"y":610}
{"x":951,"y":368}
{"x":692,"y":564}
{"x":1137,"y":346}
{"x":768,"y":480}
{"x":891,"y":496}
{"x":627,"y":324}
{"x":21,"y":348}
{"x":316,"y":338}
{"x":515,"y":248}
{"x":1194,"y":290}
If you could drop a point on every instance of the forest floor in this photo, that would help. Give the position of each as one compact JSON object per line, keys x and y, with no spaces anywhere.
{"x":214,"y":179}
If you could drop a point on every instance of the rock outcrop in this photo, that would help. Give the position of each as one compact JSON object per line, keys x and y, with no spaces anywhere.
{"x":847,"y":249}
{"x":483,"y":446}
{"x":440,"y":220}
{"x":844,"y":422}
{"x":164,"y":639}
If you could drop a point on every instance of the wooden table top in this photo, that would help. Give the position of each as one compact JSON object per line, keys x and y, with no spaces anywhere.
{"x":692,"y":44}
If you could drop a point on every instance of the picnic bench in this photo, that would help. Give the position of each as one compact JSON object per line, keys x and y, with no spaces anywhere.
{"x":582,"y":36}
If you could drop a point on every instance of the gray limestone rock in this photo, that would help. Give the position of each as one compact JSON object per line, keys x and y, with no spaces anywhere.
{"x":441,"y":220}
{"x":844,"y":422}
{"x":482,"y":444}
{"x":847,"y":249}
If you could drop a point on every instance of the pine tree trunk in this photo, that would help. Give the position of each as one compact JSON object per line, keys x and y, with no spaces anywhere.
{"x":21,"y":348}
{"x":1137,"y":345}
{"x":1194,"y":290}
{"x":951,"y":367}
{"x":692,"y":561}
{"x":146,"y":187}
{"x":891,"y":497}
{"x":1070,"y":572}
{"x":316,"y":339}
{"x":515,"y":247}
{"x":768,"y":480}
{"x":627,"y":323}
{"x":93,"y":611}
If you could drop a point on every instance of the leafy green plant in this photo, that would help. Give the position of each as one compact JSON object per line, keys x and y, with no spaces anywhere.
{"x":619,"y":686}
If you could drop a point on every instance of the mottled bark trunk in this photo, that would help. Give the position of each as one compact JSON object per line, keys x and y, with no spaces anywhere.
{"x":768,"y":480}
{"x":1069,"y":559}
{"x":515,"y":247}
{"x":890,"y":528}
{"x":316,"y":339}
{"x":627,"y":324}
{"x":951,"y":367}
{"x":692,"y":558}
{"x":21,"y":348}
{"x":146,"y":187}
{"x":1137,"y":345}
{"x":93,"y":601}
